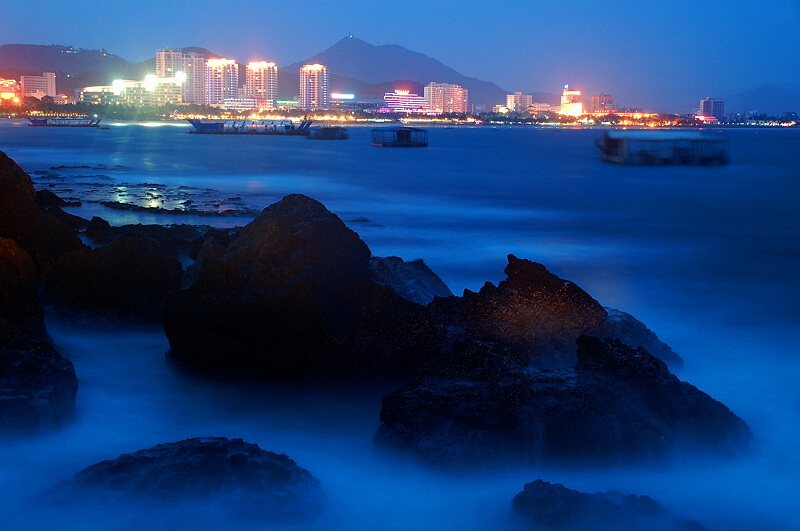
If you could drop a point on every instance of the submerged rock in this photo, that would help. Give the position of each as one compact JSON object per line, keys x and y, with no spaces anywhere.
{"x":553,"y":506}
{"x":533,"y":310}
{"x":412,"y":280}
{"x":40,"y":234}
{"x":37,"y":385}
{"x":128,"y":278}
{"x":230,"y":475}
{"x":292,"y":294}
{"x":482,"y":404}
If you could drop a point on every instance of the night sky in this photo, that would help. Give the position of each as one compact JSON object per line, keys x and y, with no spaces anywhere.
{"x":654,"y":54}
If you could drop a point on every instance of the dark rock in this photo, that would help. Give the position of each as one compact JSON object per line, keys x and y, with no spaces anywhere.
{"x":292,"y":295}
{"x":533,"y":311}
{"x":99,"y":229}
{"x":40,"y":234}
{"x":554,"y":506}
{"x":177,"y":239}
{"x":127,"y":278}
{"x":412,"y":280}
{"x":76,"y":223}
{"x":222,"y":237}
{"x":236,"y":477}
{"x":46,"y":198}
{"x":481,"y":404}
{"x":634,"y":333}
{"x":37,"y":385}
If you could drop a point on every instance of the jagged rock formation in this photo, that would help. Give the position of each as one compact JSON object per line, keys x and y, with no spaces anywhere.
{"x":482,"y":404}
{"x":412,"y":280}
{"x":553,"y":506}
{"x":634,"y":333}
{"x":235,"y":477}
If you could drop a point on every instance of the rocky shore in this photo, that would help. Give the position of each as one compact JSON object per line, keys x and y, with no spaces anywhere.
{"x":532,"y":370}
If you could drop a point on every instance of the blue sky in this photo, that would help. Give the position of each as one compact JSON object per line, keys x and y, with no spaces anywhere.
{"x":656,"y":54}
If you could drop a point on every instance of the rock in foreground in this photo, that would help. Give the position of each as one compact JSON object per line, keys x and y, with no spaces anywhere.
{"x":292,"y":294}
{"x":37,"y":385}
{"x":230,"y":475}
{"x":553,"y":506}
{"x":482,"y":404}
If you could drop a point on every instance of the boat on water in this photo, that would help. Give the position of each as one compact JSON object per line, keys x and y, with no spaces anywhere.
{"x":64,"y":121}
{"x":399,"y":137}
{"x":327,"y":132}
{"x":663,"y":147}
{"x":249,"y":127}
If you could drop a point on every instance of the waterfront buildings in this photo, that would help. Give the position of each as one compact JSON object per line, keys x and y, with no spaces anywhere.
{"x":262,"y":81}
{"x":539,"y":107}
{"x":446,"y":98}
{"x":222,"y":81}
{"x":313,"y":87}
{"x":571,"y":104}
{"x":169,"y":61}
{"x":711,"y":107}
{"x":602,"y":103}
{"x":402,"y":101}
{"x":187,"y":68}
{"x":38,"y":86}
{"x":518,"y":102}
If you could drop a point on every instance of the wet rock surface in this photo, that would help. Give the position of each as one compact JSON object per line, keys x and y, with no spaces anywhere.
{"x":412,"y":280}
{"x":634,"y":333}
{"x":37,"y":385}
{"x":43,"y":236}
{"x":292,"y":294}
{"x":127,"y":278}
{"x":553,"y":506}
{"x":228,"y":476}
{"x":482,"y":404}
{"x":533,"y":310}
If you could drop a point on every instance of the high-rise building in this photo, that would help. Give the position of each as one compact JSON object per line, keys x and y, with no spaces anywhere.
{"x":571,"y":102}
{"x":169,"y":61}
{"x":222,"y":80}
{"x":313,"y":87}
{"x":44,"y":85}
{"x":194,"y":86}
{"x":262,"y":81}
{"x":446,"y":97}
{"x":518,"y":102}
{"x":712,"y":107}
{"x":401,"y":100}
{"x":602,"y":103}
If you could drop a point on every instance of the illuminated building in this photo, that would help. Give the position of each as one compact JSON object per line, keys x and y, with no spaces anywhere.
{"x":571,"y":102}
{"x":98,"y":95}
{"x":194,"y":87}
{"x":313,"y":87}
{"x":518,"y":102}
{"x":540,"y":107}
{"x":262,"y":81}
{"x":603,"y":103}
{"x":349,"y":103}
{"x":45,"y":85}
{"x":169,"y":61}
{"x":248,"y":103}
{"x":712,"y":107}
{"x":402,"y":101}
{"x":446,"y":98}
{"x":8,"y":89}
{"x":222,"y":80}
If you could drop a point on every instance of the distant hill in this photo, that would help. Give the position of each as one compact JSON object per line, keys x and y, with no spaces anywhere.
{"x":767,"y":99}
{"x":372,"y":64}
{"x":74,"y":67}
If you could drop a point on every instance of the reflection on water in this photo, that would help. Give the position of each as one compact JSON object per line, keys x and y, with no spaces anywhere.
{"x":706,"y":257}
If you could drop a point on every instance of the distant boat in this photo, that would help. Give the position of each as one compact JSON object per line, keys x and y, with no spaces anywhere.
{"x":249,"y":127}
{"x":64,"y":121}
{"x":399,"y":137}
{"x":663,"y":147}
{"x":328,"y":132}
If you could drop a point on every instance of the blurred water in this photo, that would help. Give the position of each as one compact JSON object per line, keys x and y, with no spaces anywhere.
{"x":706,"y":257}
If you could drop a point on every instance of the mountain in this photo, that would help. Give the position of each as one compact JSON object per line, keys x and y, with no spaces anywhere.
{"x":357,"y":59}
{"x":74,"y":67}
{"x":767,"y":99}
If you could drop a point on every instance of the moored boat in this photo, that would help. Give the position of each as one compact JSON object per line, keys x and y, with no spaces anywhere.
{"x":663,"y":147}
{"x":327,"y":132}
{"x":64,"y":121}
{"x":250,"y":127}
